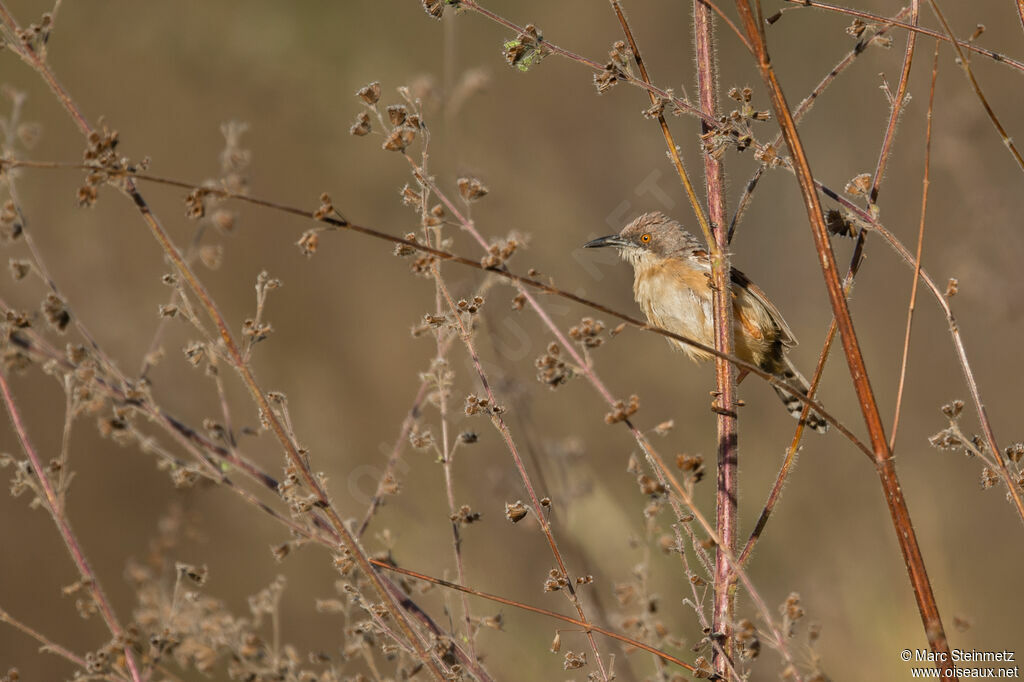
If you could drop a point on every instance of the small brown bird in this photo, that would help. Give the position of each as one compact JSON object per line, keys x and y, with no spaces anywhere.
{"x":672,"y":283}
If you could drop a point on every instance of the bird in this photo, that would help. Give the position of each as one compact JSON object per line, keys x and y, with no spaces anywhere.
{"x":672,"y":284}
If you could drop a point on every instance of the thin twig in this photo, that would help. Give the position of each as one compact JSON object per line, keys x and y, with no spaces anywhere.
{"x":47,"y":645}
{"x":587,"y":627}
{"x":805,"y":106}
{"x":885,"y":466}
{"x":965,"y":64}
{"x":917,"y":257}
{"x":539,"y":508}
{"x":234,"y":353}
{"x":673,"y":149}
{"x":538,"y":285}
{"x":876,"y":18}
{"x":895,"y":106}
{"x":51,"y":500}
{"x":954,"y":331}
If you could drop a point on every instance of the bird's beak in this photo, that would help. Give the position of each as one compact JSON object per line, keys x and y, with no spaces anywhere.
{"x":610,"y":240}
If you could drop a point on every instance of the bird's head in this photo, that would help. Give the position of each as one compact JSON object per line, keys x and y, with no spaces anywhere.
{"x":651,"y":235}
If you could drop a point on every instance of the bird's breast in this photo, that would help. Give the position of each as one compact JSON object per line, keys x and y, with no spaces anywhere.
{"x":676,"y":297}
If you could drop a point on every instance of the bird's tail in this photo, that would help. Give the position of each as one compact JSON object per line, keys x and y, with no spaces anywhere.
{"x":793,"y":377}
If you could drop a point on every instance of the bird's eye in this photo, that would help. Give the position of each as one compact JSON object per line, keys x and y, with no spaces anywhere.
{"x":645,"y":238}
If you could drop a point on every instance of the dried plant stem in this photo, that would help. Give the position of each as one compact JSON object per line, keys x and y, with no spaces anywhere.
{"x":680,"y":104}
{"x":790,"y":458}
{"x":804,"y":107}
{"x":588,"y":627}
{"x":51,"y":501}
{"x":234,"y":353}
{"x":662,"y":471}
{"x":954,"y":331}
{"x":538,"y":508}
{"x":727,"y":487}
{"x":917,"y":258}
{"x":535,"y":284}
{"x":449,"y":485}
{"x":883,"y":457}
{"x":48,"y":645}
{"x":673,"y":150}
{"x":396,"y":451}
{"x":965,"y":64}
{"x":724,"y":601}
{"x":939,"y":35}
{"x":895,"y":106}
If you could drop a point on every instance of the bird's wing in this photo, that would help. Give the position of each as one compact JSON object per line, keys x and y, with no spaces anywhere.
{"x":753,"y":303}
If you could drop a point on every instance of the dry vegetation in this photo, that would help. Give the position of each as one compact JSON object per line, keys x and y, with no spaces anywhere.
{"x":531,"y":485}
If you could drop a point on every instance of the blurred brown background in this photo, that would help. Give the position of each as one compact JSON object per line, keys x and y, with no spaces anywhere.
{"x":563,"y":165}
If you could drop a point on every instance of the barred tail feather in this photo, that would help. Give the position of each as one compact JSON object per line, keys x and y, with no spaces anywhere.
{"x":792,"y":376}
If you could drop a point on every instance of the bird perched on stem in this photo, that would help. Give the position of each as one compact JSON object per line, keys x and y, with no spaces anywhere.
{"x":672,"y":283}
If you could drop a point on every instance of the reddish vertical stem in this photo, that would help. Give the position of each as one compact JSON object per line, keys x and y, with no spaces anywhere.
{"x":50,"y":499}
{"x":725,"y":372}
{"x":884,"y":463}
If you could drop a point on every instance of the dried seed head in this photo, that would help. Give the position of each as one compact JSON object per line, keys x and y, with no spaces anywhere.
{"x":574,"y":661}
{"x":526,"y":50}
{"x":471,"y":189}
{"x":620,"y":54}
{"x":621,"y":411}
{"x":362,"y":125}
{"x":403,"y":250}
{"x":953,"y":409}
{"x":56,"y":312}
{"x":693,"y":465}
{"x":552,"y":371}
{"x":516,"y":511}
{"x":197,"y":574}
{"x":411,"y":198}
{"x":434,"y":8}
{"x":369,"y":93}
{"x":1015,"y":452}
{"x":20,"y":269}
{"x":649,"y":486}
{"x":859,"y":185}
{"x":397,"y":114}
{"x":465,"y":516}
{"x":857,"y":28}
{"x":838,"y":224}
{"x":399,"y":140}
{"x":587,"y":333}
{"x":195,"y":203}
{"x":308,"y":242}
